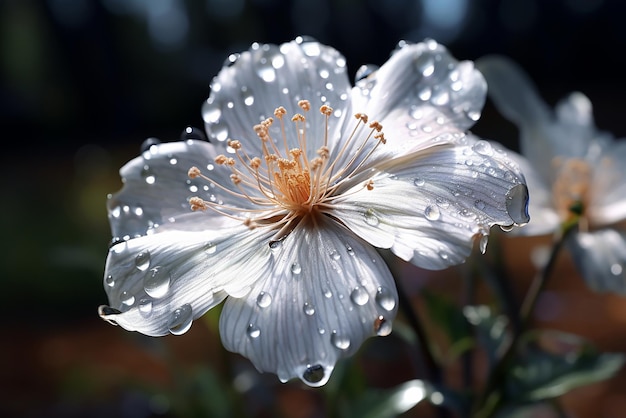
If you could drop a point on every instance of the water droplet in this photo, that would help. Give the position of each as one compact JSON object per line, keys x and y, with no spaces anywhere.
{"x":218,"y":131}
{"x":109,"y":281}
{"x":483,"y":147}
{"x":231,"y":60}
{"x":517,"y":204}
{"x":192,"y":133}
{"x":382,"y":327}
{"x":275,"y":245}
{"x":147,"y":175}
{"x":425,"y":64}
{"x":142,"y":261}
{"x":180,"y":320}
{"x":314,"y":374}
{"x":265,"y":70}
{"x":484,"y":240}
{"x":145,"y":307}
{"x":425,"y":93}
{"x":253,"y":331}
{"x":334,"y":254}
{"x":432,"y":213}
{"x":308,"y":309}
{"x":442,"y":203}
{"x":616,"y":269}
{"x":211,"y":112}
{"x":364,"y":71}
{"x":127,"y":298}
{"x":309,"y":46}
{"x":210,"y":248}
{"x":264,"y":300}
{"x":385,"y":299}
{"x":370,"y":218}
{"x":359,"y":296}
{"x":349,"y":249}
{"x":440,"y":98}
{"x":339,"y":341}
{"x":507,"y":228}
{"x":157,"y":282}
{"x":419,"y":181}
{"x":473,"y":115}
{"x":296,"y":268}
{"x":149,"y":143}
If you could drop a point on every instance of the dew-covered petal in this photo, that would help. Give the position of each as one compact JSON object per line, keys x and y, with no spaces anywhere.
{"x":324,"y":293}
{"x":157,"y":188}
{"x":601,"y":259}
{"x":254,"y":83}
{"x":419,"y":93}
{"x":429,"y":207}
{"x":159,"y":283}
{"x":608,"y":187}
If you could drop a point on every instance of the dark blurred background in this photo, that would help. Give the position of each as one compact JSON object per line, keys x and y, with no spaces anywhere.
{"x":84,"y":82}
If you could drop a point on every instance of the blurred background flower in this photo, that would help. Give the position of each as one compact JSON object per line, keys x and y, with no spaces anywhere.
{"x":84,"y":82}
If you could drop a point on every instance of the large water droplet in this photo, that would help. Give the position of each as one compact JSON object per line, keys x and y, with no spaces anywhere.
{"x":247,"y":96}
{"x":385,"y":299}
{"x":127,"y":298}
{"x":265,"y":70}
{"x":340,"y":341}
{"x":275,"y":245}
{"x":440,"y":97}
{"x":482,"y":244}
{"x":157,"y":282}
{"x":192,"y":133}
{"x":142,"y":261}
{"x":382,"y":326}
{"x":419,"y":182}
{"x":517,"y":204}
{"x":210,"y":248}
{"x":296,"y":268}
{"x":359,"y":296}
{"x":425,"y":64}
{"x":253,"y":331}
{"x":211,"y":112}
{"x":180,"y":320}
{"x":364,"y":71}
{"x":149,"y":143}
{"x":109,"y":281}
{"x":432,"y":213}
{"x":370,"y":218}
{"x":264,"y":300}
{"x":314,"y":374}
{"x":483,"y":147}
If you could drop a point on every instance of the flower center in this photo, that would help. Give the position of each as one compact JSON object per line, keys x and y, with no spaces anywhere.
{"x":285,"y":184}
{"x":570,"y":190}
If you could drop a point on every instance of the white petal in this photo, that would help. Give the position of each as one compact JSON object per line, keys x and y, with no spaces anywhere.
{"x":418,"y":94}
{"x":601,"y":258}
{"x":608,"y":188}
{"x":159,"y":283}
{"x":157,"y":188}
{"x":324,"y":293}
{"x":268,"y":76}
{"x":428,"y":207}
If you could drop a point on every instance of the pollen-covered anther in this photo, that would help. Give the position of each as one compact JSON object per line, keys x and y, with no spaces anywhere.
{"x":279,"y":112}
{"x":194,"y":172}
{"x":234,"y":144}
{"x":304,"y":105}
{"x":376,"y":126}
{"x":326,"y":110}
{"x":361,"y":116}
{"x":235,"y":178}
{"x":298,"y":118}
{"x":255,"y":163}
{"x":381,"y":137}
{"x":369,"y":185}
{"x":197,"y":204}
{"x":224,"y":160}
{"x":323,"y":152}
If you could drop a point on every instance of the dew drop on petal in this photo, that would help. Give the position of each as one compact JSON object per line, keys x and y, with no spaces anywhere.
{"x":191,"y":132}
{"x":480,"y":204}
{"x":385,"y":299}
{"x":211,"y":112}
{"x":265,"y":70}
{"x":148,"y":143}
{"x":432,"y":213}
{"x":314,"y":374}
{"x":483,"y":147}
{"x":157,"y":282}
{"x":210,"y":248}
{"x":180,"y":320}
{"x":517,"y":204}
{"x":349,"y":249}
{"x":482,"y":244}
{"x":127,"y":298}
{"x":145,"y":307}
{"x":419,"y":181}
{"x":425,"y":64}
{"x":308,"y":309}
{"x":296,"y":268}
{"x":335,"y":255}
{"x":370,"y":218}
{"x":339,"y":341}
{"x":109,"y":281}
{"x":142,"y":261}
{"x":247,"y":96}
{"x":275,"y":245}
{"x":253,"y":331}
{"x":359,"y":296}
{"x":382,"y":327}
{"x":264,"y":300}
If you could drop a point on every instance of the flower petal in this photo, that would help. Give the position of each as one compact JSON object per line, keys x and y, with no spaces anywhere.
{"x":428,"y":207}
{"x":601,"y":258}
{"x":254,"y":83}
{"x":324,"y":293}
{"x":159,"y":283}
{"x":157,"y":188}
{"x":418,"y":94}
{"x":608,"y":190}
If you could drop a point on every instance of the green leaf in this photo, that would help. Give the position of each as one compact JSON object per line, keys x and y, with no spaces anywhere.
{"x":552,"y":363}
{"x":448,"y":316}
{"x":491,"y":330}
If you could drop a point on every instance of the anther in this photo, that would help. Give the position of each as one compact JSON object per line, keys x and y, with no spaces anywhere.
{"x":304,"y":105}
{"x":381,"y":137}
{"x":197,"y":204}
{"x":326,"y":110}
{"x":376,"y":126}
{"x":361,"y":116}
{"x":370,"y":185}
{"x":279,"y":112}
{"x":234,"y":144}
{"x":235,"y":178}
{"x":194,"y":172}
{"x":255,"y":163}
{"x":323,"y":152}
{"x":221,"y":159}
{"x":298,"y":118}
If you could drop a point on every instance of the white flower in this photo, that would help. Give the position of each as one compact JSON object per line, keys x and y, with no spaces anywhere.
{"x":572,"y":169}
{"x":292,"y":194}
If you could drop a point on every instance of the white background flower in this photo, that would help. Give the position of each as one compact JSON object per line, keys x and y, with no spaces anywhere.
{"x":302,"y":282}
{"x":569,"y":161}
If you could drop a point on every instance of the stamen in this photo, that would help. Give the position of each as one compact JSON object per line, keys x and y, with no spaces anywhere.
{"x":304,"y":105}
